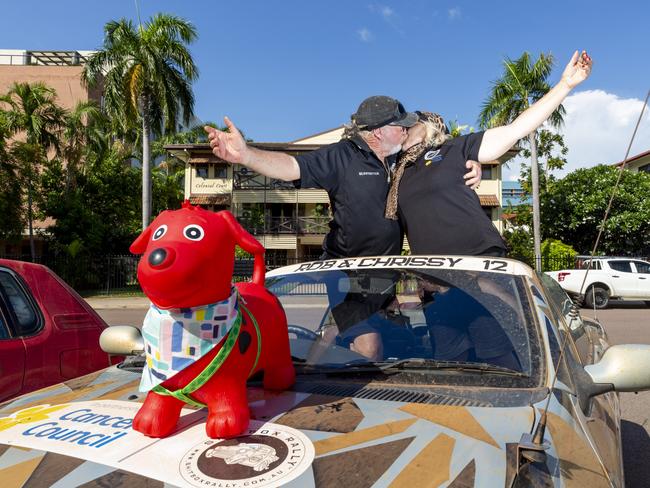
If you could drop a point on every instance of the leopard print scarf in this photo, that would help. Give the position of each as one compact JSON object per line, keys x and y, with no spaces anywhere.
{"x":436,"y":134}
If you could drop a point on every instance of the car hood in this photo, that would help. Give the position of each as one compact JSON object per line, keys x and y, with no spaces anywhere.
{"x":296,"y":439}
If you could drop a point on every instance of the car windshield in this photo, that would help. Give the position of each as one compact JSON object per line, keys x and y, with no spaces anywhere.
{"x":408,"y":318}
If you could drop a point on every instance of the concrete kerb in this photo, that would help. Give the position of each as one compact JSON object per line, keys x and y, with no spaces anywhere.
{"x":111,"y":303}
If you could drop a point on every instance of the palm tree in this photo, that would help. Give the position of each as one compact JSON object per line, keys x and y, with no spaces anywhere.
{"x":32,"y":111}
{"x":522,"y":84}
{"x":11,"y":221}
{"x":147,"y":74}
{"x":85,"y":138}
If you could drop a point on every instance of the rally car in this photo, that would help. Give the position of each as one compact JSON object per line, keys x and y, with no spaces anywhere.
{"x":482,"y":374}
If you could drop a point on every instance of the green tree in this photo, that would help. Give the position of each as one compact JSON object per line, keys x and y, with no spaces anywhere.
{"x":557,"y":255}
{"x":147,"y":74}
{"x":551,"y":155}
{"x":574,"y":207}
{"x":11,"y":218}
{"x":100,"y":213}
{"x":85,"y":138}
{"x":456,"y":130}
{"x":523,"y":83}
{"x":31,"y":111}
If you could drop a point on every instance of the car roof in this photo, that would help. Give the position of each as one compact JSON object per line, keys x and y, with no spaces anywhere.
{"x":466,"y":263}
{"x":18,"y":266}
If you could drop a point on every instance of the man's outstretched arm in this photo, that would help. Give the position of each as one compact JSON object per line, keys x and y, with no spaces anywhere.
{"x":231,"y":146}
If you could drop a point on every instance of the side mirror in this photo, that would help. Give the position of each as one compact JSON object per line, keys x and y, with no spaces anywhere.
{"x":122,"y":340}
{"x":626,"y":367}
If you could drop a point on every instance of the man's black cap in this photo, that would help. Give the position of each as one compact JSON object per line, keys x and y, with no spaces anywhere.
{"x":378,"y":110}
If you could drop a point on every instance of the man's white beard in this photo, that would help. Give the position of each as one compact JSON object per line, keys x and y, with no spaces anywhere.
{"x":394,"y":150}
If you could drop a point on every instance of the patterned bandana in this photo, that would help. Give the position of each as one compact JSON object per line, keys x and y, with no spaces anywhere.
{"x":177,"y":337}
{"x":434,"y":138}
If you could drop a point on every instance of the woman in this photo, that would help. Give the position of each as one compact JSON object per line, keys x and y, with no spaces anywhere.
{"x":440,"y":214}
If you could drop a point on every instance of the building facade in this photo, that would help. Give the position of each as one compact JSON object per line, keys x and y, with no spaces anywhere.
{"x":290,"y":223}
{"x":512,"y":194}
{"x":640,"y":162}
{"x":60,"y":70}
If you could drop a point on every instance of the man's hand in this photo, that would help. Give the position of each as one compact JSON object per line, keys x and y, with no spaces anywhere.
{"x":473,"y":176}
{"x":577,"y":70}
{"x":229,"y":146}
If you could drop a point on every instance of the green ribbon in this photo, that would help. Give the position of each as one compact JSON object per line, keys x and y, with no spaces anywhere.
{"x":216,"y":363}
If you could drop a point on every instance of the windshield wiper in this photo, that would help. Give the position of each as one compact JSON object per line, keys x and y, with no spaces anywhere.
{"x":412,"y":364}
{"x":423,"y":363}
{"x":346,"y":368}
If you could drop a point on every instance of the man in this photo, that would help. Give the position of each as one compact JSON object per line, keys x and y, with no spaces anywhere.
{"x":355,"y":172}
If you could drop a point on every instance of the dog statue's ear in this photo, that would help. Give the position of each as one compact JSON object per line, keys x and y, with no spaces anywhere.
{"x":139,"y":246}
{"x":249,"y":244}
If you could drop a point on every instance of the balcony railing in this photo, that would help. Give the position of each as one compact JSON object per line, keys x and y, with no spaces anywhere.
{"x":254,"y":181}
{"x":286,"y":225}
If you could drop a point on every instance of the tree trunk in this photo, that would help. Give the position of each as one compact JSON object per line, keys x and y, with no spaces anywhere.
{"x":534,"y":177}
{"x":146,"y":173}
{"x":30,"y":223}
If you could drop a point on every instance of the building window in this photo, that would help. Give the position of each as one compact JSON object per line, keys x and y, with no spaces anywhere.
{"x":201,"y":170}
{"x":645,"y":168}
{"x":489,"y":172}
{"x":221,"y":171}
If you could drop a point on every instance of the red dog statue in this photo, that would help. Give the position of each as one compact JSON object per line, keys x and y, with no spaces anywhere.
{"x":203,"y":336}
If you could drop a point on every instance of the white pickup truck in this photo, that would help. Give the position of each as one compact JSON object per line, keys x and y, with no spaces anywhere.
{"x":608,"y":278}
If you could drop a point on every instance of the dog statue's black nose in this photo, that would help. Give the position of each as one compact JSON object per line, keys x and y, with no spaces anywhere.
{"x":157,"y":257}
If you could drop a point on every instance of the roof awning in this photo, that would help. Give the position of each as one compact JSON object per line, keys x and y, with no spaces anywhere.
{"x":489,"y":201}
{"x":210,"y":199}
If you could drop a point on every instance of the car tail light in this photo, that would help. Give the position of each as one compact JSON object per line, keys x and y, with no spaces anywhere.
{"x":560,"y":276}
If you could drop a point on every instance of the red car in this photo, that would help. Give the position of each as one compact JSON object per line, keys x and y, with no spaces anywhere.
{"x":48,"y":333}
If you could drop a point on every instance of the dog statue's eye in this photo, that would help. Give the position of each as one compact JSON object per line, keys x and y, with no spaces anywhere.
{"x":160,"y":231}
{"x":193,"y":232}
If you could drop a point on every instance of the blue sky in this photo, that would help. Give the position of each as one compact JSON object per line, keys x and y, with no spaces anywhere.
{"x":286,"y":69}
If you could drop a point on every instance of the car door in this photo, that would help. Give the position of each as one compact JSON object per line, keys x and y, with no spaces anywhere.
{"x":27,"y":326}
{"x":585,"y":346}
{"x":642,"y":279}
{"x":12,"y":346}
{"x":12,"y":351}
{"x":623,"y":278}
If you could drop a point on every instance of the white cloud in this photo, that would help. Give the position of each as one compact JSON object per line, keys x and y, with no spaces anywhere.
{"x":386,"y":12}
{"x":597,"y":129}
{"x":365,"y":35}
{"x":388,"y":15}
{"x":453,"y":13}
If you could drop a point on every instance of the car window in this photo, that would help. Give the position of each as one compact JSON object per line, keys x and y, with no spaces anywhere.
{"x":595,"y":264}
{"x":442,"y":315}
{"x":623,"y":266}
{"x":560,"y":300}
{"x":563,"y":310}
{"x":4,"y":332}
{"x":27,"y":321}
{"x":642,"y":267}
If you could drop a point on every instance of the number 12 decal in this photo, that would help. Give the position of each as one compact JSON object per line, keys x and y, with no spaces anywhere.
{"x":494,"y":265}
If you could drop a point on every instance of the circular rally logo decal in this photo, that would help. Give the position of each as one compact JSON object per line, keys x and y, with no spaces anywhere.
{"x":265,"y":455}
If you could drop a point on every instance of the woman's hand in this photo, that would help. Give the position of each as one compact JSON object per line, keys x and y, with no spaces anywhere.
{"x":577,"y":70}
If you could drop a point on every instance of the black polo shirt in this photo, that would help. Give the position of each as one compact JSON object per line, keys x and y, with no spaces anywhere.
{"x":440,"y":214}
{"x":357,"y":184}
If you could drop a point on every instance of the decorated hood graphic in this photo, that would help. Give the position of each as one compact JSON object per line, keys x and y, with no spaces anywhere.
{"x":297,"y":439}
